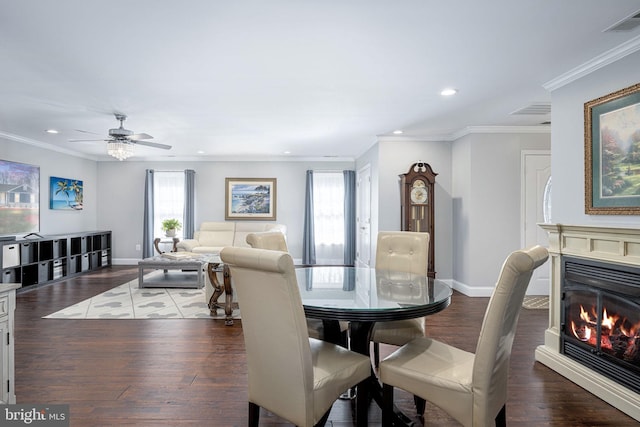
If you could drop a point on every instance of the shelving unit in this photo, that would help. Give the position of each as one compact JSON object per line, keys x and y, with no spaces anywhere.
{"x":39,"y":261}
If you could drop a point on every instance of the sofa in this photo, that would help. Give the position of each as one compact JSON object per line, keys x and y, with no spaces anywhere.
{"x":213,"y":236}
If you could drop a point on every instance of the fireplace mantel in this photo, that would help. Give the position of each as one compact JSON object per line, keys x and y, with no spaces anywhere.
{"x":616,"y":245}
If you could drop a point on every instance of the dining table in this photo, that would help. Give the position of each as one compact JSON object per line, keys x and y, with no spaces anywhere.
{"x":363,"y":296}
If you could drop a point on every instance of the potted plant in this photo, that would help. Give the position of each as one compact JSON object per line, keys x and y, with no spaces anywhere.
{"x":169,"y":226}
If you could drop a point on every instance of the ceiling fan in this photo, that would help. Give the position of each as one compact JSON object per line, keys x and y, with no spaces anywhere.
{"x":121,"y":140}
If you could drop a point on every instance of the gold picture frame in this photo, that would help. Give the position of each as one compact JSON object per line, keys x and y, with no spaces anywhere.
{"x":250,"y":199}
{"x":612,"y":153}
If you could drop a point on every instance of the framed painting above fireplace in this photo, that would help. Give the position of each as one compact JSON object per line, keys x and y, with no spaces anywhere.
{"x":612,"y":153}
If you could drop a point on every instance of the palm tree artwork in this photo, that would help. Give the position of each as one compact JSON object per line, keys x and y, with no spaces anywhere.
{"x":66,"y":193}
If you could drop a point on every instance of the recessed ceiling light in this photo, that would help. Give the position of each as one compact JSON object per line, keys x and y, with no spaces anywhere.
{"x":448,"y":92}
{"x":200,"y":152}
{"x":397,"y":132}
{"x":51,"y":131}
{"x":287,"y":152}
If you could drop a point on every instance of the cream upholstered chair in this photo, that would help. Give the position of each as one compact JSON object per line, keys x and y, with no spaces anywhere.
{"x":276,"y":241}
{"x":291,"y":375}
{"x":472,"y":388}
{"x":405,"y":251}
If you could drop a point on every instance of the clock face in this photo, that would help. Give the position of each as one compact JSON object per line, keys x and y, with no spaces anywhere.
{"x":419,"y":195}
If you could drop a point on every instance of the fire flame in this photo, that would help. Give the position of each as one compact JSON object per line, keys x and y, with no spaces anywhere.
{"x":617,"y":334}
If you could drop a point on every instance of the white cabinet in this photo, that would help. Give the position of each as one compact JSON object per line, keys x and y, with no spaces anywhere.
{"x":7,"y":370}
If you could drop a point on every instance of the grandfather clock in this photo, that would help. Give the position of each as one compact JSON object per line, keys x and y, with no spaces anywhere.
{"x":417,"y":205}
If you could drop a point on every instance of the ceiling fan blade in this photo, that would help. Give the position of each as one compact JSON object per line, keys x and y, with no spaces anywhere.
{"x":139,"y":136}
{"x":86,"y":131}
{"x":153,"y":144}
{"x":87,"y":140}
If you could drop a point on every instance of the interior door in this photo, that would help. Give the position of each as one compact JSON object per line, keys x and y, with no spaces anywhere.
{"x":536,"y":173}
{"x":363,"y":217}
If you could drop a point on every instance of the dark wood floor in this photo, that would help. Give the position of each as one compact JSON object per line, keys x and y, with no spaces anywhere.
{"x":193,"y":372}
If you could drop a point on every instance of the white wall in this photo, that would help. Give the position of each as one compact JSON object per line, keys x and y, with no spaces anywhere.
{"x":567,"y":141}
{"x":395,"y":158}
{"x":487,"y":227}
{"x":59,"y":165}
{"x":122,"y":193}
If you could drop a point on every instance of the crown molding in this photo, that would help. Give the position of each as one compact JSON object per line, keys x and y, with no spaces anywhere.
{"x":450,"y":137}
{"x":609,"y":57}
{"x":45,"y":146}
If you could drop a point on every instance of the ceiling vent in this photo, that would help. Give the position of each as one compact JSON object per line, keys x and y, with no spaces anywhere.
{"x":629,"y":23}
{"x":535,"y":109}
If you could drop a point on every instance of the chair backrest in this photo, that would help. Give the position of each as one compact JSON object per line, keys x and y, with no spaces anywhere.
{"x":280,"y":368}
{"x":273,"y":240}
{"x":493,"y":351}
{"x":403,"y":251}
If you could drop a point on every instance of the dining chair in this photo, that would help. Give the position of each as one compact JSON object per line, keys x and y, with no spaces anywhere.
{"x":289,"y":374}
{"x":404,"y":251}
{"x":472,"y":388}
{"x":276,"y":241}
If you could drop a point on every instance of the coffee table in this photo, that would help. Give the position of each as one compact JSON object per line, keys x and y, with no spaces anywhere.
{"x":190,"y":268}
{"x":187,"y":274}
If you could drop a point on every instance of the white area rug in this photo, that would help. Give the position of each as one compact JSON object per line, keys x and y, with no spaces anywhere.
{"x":129,"y":302}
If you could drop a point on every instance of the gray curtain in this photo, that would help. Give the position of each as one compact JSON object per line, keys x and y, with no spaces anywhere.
{"x":147,"y":231}
{"x":349,"y":217}
{"x":189,"y":203}
{"x":308,"y":238}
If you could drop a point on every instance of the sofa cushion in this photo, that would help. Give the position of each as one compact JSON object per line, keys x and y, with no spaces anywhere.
{"x":245,"y":228}
{"x":213,"y":236}
{"x":217,"y":234}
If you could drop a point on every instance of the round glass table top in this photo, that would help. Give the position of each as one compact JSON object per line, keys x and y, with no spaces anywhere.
{"x":367,"y":294}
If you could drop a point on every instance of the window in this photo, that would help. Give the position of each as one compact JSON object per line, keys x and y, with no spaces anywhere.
{"x":328,"y":216}
{"x":168,"y":197}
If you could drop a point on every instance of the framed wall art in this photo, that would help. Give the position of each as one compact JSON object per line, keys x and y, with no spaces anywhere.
{"x":65,"y":194}
{"x":612,"y":153}
{"x":250,"y":198}
{"x":19,"y":198}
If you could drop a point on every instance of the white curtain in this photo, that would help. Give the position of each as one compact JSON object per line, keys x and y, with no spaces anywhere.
{"x":328,"y":195}
{"x":168,"y":199}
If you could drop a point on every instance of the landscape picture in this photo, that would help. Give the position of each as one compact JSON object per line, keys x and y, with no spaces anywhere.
{"x":250,"y":198}
{"x":620,"y":145}
{"x":19,"y":198}
{"x":66,"y":194}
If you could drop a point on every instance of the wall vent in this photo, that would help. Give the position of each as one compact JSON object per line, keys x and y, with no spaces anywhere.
{"x":629,"y":23}
{"x":537,"y":109}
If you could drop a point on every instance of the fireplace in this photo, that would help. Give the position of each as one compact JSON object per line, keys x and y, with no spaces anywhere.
{"x":594,"y":311}
{"x":600,"y":314}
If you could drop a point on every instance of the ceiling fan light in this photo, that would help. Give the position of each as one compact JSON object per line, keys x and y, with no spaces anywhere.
{"x":120,"y":150}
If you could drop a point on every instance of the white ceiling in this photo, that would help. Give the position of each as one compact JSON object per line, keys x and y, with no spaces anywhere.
{"x":253,"y":79}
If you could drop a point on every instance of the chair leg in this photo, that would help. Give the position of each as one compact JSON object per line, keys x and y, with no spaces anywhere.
{"x":324,"y":418}
{"x":376,"y":354}
{"x":362,"y":403}
{"x":501,"y":418}
{"x":254,"y":414}
{"x":387,"y":405}
{"x":421,"y":404}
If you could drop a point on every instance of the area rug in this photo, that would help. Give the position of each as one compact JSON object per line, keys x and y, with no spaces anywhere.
{"x":130,"y":302}
{"x":536,"y":302}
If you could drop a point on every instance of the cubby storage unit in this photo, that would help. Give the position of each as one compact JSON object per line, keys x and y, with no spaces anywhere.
{"x":47,"y":259}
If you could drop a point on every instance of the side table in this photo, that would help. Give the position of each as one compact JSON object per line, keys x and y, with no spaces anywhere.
{"x":158,"y":240}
